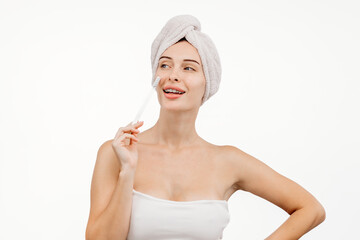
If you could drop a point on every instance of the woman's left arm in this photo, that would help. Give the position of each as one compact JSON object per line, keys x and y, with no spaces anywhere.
{"x":256,"y":177}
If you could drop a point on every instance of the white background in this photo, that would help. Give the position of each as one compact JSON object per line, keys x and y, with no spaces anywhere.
{"x":73,"y":72}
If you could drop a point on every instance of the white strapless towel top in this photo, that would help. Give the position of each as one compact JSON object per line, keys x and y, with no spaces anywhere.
{"x":154,"y":218}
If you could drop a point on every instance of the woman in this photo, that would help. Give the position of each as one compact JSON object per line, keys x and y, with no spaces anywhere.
{"x":169,"y":183}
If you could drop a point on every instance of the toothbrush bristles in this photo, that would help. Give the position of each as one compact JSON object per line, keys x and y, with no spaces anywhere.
{"x":156,"y":82}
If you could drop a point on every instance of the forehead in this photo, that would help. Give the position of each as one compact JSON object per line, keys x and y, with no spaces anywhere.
{"x":182,"y":50}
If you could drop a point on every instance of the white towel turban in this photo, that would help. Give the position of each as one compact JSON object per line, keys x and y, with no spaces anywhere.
{"x":189,"y":27}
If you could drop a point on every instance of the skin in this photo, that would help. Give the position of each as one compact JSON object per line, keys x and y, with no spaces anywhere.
{"x":175,"y":163}
{"x":172,"y":156}
{"x":181,"y":112}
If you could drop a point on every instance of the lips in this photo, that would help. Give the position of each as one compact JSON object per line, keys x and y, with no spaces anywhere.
{"x":172,"y":95}
{"x":173,"y":92}
{"x":174,"y":87}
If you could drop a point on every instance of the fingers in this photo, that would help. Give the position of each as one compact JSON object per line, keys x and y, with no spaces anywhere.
{"x":128,"y":136}
{"x":137,"y":125}
{"x":130,"y":128}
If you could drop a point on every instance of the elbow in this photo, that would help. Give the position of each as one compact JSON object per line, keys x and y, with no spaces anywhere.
{"x":320,"y":213}
{"x":314,"y":211}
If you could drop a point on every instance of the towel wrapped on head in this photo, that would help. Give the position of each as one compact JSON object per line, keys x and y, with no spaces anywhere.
{"x":189,"y":27}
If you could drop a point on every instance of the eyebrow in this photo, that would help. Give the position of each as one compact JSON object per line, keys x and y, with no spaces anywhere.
{"x":188,"y":60}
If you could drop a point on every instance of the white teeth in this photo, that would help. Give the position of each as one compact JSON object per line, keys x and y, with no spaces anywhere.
{"x":172,"y":90}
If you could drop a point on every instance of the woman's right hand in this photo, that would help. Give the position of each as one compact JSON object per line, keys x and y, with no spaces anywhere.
{"x":125,"y":145}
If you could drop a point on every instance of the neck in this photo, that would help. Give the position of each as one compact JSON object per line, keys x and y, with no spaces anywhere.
{"x":175,"y":129}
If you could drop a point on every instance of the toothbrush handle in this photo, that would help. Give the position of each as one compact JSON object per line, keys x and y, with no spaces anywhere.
{"x":127,"y":141}
{"x":142,"y":107}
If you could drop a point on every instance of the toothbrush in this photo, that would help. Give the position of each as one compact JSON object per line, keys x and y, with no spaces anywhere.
{"x":157,"y":80}
{"x":141,"y":110}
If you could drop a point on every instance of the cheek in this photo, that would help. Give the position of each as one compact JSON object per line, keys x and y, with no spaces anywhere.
{"x":199,"y":86}
{"x":203,"y":84}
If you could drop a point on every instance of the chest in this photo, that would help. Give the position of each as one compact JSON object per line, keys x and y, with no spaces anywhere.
{"x":189,"y":174}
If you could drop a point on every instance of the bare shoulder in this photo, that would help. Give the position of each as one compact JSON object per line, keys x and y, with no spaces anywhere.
{"x":229,"y":156}
{"x":229,"y":149}
{"x":227,"y":153}
{"x":232,"y":154}
{"x":106,"y":153}
{"x":239,"y":164}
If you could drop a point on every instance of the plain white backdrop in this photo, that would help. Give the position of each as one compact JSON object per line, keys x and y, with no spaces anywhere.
{"x":73,"y":72}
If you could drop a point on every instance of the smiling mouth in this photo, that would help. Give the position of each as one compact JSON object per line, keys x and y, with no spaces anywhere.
{"x":173,"y":93}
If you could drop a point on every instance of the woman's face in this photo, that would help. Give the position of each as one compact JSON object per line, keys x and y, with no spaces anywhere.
{"x":180,"y":66}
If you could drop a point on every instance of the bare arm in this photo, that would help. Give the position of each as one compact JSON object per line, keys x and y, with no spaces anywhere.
{"x":256,"y":177}
{"x":111,"y":197}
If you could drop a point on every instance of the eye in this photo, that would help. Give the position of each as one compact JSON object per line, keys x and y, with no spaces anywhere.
{"x":163,"y":65}
{"x":190,"y":68}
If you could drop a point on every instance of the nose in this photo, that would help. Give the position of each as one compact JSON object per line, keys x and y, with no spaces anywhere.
{"x":174,"y":75}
